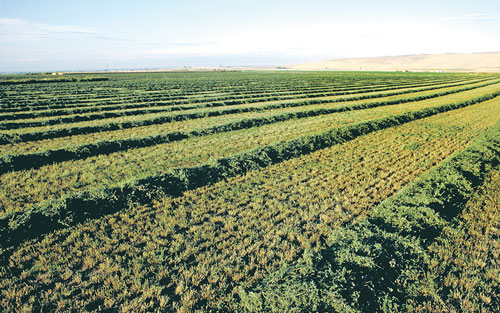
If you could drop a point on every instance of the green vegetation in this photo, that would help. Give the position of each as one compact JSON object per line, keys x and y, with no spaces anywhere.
{"x":36,"y":122}
{"x":19,"y":162}
{"x":135,"y":120}
{"x":250,"y":192}
{"x":49,"y":79}
{"x":388,"y":261}
{"x":464,"y":259}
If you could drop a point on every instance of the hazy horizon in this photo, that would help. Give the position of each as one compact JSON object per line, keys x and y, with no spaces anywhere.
{"x":91,"y":35}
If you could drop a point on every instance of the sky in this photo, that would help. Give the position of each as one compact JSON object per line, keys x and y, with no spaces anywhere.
{"x":70,"y":35}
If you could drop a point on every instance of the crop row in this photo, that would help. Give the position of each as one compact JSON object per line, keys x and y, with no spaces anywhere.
{"x":191,"y":253}
{"x":465,"y":257}
{"x":383,"y":262}
{"x":24,"y":161}
{"x":174,"y":86}
{"x":131,"y":96}
{"x":183,"y":126}
{"x":52,"y":80}
{"x":105,"y":106}
{"x":24,"y":188}
{"x":169,"y":108}
{"x":21,"y":189}
{"x":6,"y":138}
{"x":100,"y":108}
{"x":149,"y":87}
{"x":225,"y":98}
{"x":53,"y":214}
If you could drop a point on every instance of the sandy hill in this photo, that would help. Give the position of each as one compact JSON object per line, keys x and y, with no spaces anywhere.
{"x":459,"y":62}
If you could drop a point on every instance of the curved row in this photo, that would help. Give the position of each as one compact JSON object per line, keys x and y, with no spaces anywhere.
{"x":229,"y":99}
{"x":383,"y":261}
{"x":55,"y":214}
{"x":25,"y":161}
{"x":77,"y":130}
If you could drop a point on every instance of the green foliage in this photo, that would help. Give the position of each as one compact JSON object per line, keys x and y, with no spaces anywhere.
{"x":301,"y":287}
{"x":157,"y":120}
{"x":170,"y":108}
{"x":276,"y":207}
{"x":206,"y":174}
{"x":51,"y":80}
{"x":381,"y":264}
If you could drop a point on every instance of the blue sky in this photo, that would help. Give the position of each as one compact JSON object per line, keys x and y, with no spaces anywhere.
{"x":48,"y":35}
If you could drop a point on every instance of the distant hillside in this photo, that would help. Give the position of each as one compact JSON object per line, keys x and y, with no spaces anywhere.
{"x":470,"y":62}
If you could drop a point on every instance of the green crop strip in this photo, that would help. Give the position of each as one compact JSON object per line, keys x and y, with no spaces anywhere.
{"x":34,"y":160}
{"x":382,"y":263}
{"x":51,"y":80}
{"x":464,"y":258}
{"x":33,"y":136}
{"x":216,"y":237}
{"x":170,"y":108}
{"x":104,"y":108}
{"x":185,"y":99}
{"x":74,"y":208}
{"x":106,"y":171}
{"x":100,"y":104}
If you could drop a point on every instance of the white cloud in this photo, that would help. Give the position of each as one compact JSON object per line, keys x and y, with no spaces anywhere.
{"x":473,"y":17}
{"x":22,"y":42}
{"x":28,"y":60}
{"x":350,"y":39}
{"x":23,"y":30}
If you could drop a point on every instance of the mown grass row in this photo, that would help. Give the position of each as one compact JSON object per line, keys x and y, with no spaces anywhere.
{"x":106,"y":115}
{"x":139,"y":85}
{"x":74,"y":208}
{"x":230,"y":94}
{"x":171,"y":85}
{"x":14,"y":162}
{"x":145,"y":131}
{"x":464,"y":259}
{"x":142,"y":108}
{"x":137,"y":100}
{"x":383,"y":264}
{"x":48,"y":80}
{"x":104,"y":107}
{"x":190,"y":253}
{"x":24,"y":188}
{"x":228,"y":100}
{"x":7,"y":138}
